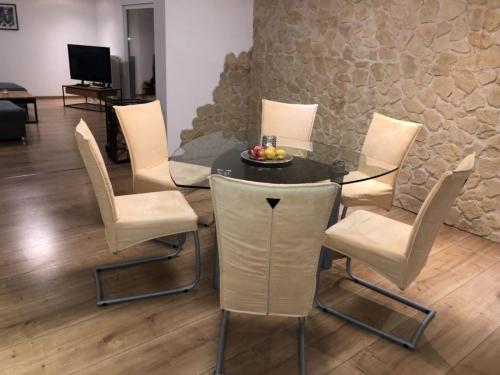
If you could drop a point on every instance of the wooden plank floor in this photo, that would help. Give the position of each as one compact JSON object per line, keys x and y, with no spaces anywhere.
{"x":51,"y":235}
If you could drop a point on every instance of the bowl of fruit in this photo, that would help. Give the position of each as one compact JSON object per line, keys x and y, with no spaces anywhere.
{"x":269,"y":156}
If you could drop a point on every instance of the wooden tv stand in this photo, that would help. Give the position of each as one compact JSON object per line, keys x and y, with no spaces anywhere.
{"x":96,"y":92}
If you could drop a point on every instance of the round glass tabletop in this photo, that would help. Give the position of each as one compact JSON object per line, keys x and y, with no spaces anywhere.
{"x":215,"y":153}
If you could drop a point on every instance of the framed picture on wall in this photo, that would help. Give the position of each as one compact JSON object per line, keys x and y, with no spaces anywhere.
{"x":8,"y":17}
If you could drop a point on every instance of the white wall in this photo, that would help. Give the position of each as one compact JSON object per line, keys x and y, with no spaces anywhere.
{"x":110,"y":32}
{"x":36,"y":56}
{"x":199,"y":34}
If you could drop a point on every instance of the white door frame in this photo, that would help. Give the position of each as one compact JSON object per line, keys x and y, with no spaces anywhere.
{"x":126,"y":5}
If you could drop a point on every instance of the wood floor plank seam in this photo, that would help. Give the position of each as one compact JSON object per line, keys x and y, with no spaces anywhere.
{"x":449,"y":293}
{"x":42,"y":173}
{"x":378,"y":339}
{"x":139,"y":345}
{"x":98,"y":311}
{"x":472,"y":350}
{"x":85,"y":320}
{"x":41,"y":269}
{"x":369,"y":347}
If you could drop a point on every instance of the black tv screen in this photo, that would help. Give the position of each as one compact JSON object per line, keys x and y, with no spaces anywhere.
{"x":88,"y":63}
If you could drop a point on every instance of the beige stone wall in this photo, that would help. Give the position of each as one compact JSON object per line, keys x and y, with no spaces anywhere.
{"x":229,"y":112}
{"x":431,"y":61}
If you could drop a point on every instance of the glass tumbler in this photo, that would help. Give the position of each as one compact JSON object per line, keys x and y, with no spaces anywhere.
{"x":224,"y":172}
{"x":269,"y":140}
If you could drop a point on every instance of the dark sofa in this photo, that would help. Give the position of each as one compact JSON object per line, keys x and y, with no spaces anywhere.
{"x":12,"y":121}
{"x":11,"y":86}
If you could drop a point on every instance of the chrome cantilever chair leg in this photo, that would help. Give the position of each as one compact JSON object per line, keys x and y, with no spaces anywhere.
{"x":302,"y":346}
{"x":410,"y":344}
{"x":181,"y":239}
{"x":344,"y":213}
{"x":211,"y":222}
{"x":104,"y":302}
{"x":219,"y":364}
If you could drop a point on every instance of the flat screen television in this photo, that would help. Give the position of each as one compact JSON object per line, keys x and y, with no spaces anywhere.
{"x":88,"y":63}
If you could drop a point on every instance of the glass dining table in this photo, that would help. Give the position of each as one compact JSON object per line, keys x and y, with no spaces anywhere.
{"x":220,"y":153}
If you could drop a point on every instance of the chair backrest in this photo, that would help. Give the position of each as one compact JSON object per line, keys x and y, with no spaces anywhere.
{"x":389,"y":140}
{"x":291,"y":123}
{"x":432,"y":214}
{"x":98,"y":174}
{"x":269,"y":239}
{"x":145,"y":133}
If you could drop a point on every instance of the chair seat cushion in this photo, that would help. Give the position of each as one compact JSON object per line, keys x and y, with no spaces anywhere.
{"x":159,"y":179}
{"x":151,"y":215}
{"x":375,"y":240}
{"x":153,"y":179}
{"x":366,"y":193}
{"x":189,"y":174}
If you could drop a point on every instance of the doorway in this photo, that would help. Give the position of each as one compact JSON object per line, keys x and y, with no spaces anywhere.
{"x":140,"y":47}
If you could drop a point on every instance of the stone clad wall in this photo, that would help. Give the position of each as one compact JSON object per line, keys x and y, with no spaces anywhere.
{"x":431,"y":61}
{"x":229,"y":112}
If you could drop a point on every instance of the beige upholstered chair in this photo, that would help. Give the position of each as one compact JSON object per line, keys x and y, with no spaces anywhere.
{"x":291,"y":123}
{"x":389,"y":141}
{"x":146,"y":137}
{"x":397,"y":251}
{"x":269,"y":239}
{"x":136,"y":218}
{"x":144,"y":131}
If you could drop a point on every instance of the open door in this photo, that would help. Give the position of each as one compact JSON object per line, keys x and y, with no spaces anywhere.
{"x":140,"y":47}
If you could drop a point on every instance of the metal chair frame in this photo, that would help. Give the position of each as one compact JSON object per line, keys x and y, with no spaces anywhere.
{"x":409,"y":344}
{"x":182,"y":289}
{"x":344,"y":212}
{"x":219,"y":365}
{"x":181,"y":240}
